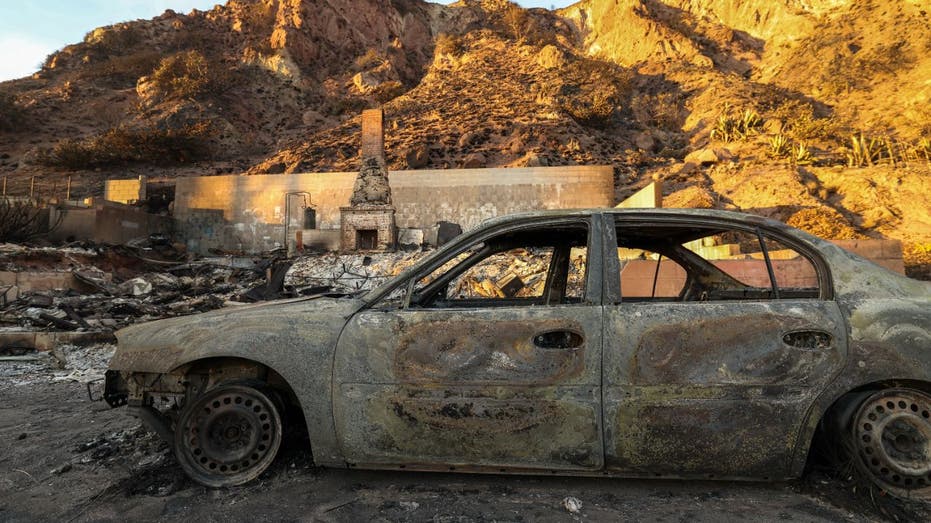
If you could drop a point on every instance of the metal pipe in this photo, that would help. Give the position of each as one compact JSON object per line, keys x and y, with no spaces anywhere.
{"x":287,"y":215}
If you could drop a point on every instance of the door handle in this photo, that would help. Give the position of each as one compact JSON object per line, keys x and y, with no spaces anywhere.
{"x":811,"y":339}
{"x":560,"y":339}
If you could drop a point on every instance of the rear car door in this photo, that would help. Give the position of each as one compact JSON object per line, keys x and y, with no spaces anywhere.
{"x":709,"y":364}
{"x":492,"y":360}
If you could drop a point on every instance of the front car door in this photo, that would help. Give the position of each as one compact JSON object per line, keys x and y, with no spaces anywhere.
{"x":716,"y":346}
{"x":489,"y":359}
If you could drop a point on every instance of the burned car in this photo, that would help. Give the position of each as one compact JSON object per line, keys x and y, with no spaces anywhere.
{"x":638,"y":343}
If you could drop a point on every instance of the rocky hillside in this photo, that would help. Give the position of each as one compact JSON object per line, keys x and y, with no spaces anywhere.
{"x":811,"y":111}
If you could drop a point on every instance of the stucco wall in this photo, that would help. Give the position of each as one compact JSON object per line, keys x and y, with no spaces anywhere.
{"x":247,"y":212}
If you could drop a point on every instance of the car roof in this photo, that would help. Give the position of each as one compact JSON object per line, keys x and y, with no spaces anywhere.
{"x":644,"y":212}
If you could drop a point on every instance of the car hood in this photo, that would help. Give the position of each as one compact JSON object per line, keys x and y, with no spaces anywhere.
{"x":250,"y":331}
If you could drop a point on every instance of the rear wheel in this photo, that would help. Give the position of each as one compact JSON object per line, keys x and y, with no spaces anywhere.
{"x":891,"y":433}
{"x":229,"y":435}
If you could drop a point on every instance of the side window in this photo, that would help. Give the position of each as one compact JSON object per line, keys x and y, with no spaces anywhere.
{"x":515,"y":273}
{"x":738,"y":255}
{"x":647,"y":274}
{"x":537,"y":266}
{"x":689,"y":263}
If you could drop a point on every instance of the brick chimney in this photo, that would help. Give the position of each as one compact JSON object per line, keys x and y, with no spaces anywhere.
{"x":368,"y":223}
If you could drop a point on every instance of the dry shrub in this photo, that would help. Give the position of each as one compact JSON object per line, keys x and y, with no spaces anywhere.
{"x":800,"y":122}
{"x":113,"y":40}
{"x":593,"y":91}
{"x":449,"y":44}
{"x":521,"y":25}
{"x":596,"y":112}
{"x":11,"y":114}
{"x":664,"y":110}
{"x":121,"y":71}
{"x":120,"y":146}
{"x":388,"y":91}
{"x":186,"y":75}
{"x":371,"y":58}
{"x":20,"y":220}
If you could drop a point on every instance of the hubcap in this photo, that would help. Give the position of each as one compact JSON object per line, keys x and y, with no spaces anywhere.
{"x":893,"y":434}
{"x":229,"y":432}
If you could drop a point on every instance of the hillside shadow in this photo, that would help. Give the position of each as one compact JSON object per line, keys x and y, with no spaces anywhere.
{"x":710,"y":39}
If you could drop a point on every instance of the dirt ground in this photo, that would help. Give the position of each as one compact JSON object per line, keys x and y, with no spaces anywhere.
{"x":64,"y":458}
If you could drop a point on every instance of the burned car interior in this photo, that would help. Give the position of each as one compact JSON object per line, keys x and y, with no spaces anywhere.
{"x":558,"y":251}
{"x":687,"y":264}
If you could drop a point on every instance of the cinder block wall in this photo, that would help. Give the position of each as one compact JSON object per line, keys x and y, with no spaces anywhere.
{"x":247,"y":212}
{"x":124,"y":191}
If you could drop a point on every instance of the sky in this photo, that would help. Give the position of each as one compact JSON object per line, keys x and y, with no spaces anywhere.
{"x":30,"y":30}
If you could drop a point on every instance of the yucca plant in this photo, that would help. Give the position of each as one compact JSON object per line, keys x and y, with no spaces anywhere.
{"x":865,"y":152}
{"x":801,"y":154}
{"x":779,"y":146}
{"x":725,"y":129}
{"x":750,"y":123}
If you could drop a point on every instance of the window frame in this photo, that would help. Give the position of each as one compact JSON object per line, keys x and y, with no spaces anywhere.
{"x":561,"y":254}
{"x":594,"y":265}
{"x":615,"y":221}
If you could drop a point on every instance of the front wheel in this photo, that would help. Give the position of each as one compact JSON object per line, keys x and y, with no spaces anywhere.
{"x":228,"y":436}
{"x":891,"y":433}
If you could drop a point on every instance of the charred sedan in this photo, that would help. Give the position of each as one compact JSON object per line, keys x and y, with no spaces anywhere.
{"x":671,"y":343}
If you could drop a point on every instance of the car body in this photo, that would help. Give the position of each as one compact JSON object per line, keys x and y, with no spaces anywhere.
{"x":638,"y":351}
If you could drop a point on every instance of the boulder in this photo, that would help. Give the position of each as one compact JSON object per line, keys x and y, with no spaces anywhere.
{"x":708,"y":156}
{"x":417,"y":157}
{"x":644,"y":142}
{"x":365,"y":82}
{"x":551,"y":57}
{"x":474,"y":161}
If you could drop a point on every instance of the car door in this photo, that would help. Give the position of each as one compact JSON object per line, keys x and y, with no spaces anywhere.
{"x":705,"y":375}
{"x":490,"y":363}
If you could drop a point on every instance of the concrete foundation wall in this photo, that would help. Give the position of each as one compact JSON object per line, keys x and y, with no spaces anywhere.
{"x":247,"y":212}
{"x":106,"y":222}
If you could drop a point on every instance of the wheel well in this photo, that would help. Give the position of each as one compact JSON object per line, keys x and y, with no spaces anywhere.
{"x":211,"y":371}
{"x":836,"y":418}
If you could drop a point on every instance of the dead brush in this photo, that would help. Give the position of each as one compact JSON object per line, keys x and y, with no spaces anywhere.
{"x":11,"y":115}
{"x":20,"y":220}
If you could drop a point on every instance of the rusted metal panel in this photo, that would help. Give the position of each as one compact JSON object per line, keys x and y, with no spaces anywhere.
{"x":470,"y":386}
{"x":295,"y":338}
{"x":713,"y":388}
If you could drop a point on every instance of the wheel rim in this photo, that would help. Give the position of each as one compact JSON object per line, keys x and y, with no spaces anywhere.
{"x":893,"y":435}
{"x":228,"y":436}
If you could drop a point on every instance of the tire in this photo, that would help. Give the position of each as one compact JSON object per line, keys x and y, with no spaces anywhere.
{"x":891,"y":442}
{"x":229,"y":435}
